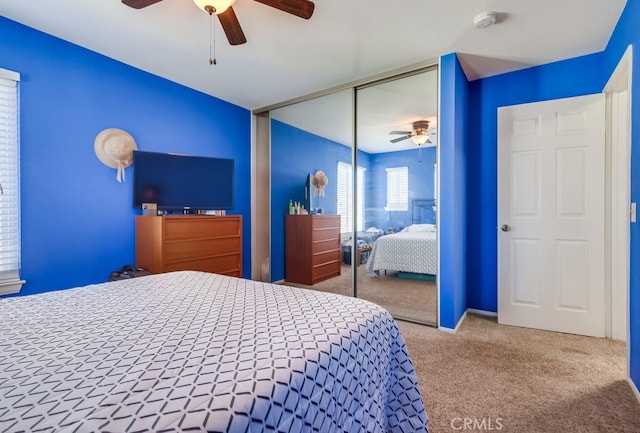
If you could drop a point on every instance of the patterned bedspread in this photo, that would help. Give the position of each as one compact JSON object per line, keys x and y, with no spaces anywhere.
{"x":191,"y":351}
{"x":405,"y":252}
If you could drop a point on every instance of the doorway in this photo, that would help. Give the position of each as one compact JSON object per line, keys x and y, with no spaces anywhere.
{"x":617,"y":201}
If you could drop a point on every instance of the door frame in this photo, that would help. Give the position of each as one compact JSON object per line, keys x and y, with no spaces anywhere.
{"x":618,"y":97}
{"x":617,"y":190}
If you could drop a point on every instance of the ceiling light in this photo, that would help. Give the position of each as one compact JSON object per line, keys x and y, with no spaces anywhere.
{"x":217,"y":6}
{"x":484,"y":19}
{"x":420,"y":139}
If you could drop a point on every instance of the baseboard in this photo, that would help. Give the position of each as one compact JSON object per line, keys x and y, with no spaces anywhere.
{"x":454,"y":330}
{"x":482,"y":312}
{"x":464,"y":316}
{"x":634,"y":388}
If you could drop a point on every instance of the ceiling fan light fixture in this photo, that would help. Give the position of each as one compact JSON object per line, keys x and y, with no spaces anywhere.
{"x":219,"y":6}
{"x":420,"y":139}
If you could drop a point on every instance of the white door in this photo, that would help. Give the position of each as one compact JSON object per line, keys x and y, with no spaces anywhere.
{"x":551,"y":203}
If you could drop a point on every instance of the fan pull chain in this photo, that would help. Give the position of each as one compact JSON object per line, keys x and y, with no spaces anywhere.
{"x":212,"y":58}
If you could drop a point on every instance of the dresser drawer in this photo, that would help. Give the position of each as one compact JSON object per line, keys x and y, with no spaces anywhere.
{"x":325,"y":222}
{"x":326,"y":245}
{"x":325,"y":257}
{"x":326,"y":270}
{"x":227,"y":265}
{"x":326,"y":234}
{"x":196,"y":248}
{"x":181,"y":228}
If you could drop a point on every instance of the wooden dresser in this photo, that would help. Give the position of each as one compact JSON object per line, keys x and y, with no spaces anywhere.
{"x":190,"y":242}
{"x":312,"y":248}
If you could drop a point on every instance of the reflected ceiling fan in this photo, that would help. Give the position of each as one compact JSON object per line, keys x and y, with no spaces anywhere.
{"x":226,"y":15}
{"x":419,"y":135}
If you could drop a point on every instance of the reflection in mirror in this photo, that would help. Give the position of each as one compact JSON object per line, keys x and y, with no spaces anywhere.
{"x":396,"y":238}
{"x":310,"y":141}
{"x":367,"y":226}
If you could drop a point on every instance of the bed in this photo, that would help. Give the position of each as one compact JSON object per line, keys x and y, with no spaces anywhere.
{"x":414,"y":250}
{"x":408,"y":251}
{"x":194,"y":351}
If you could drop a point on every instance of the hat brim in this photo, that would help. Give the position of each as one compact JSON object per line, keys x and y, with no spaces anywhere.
{"x":320,"y":179}
{"x":114,"y":135}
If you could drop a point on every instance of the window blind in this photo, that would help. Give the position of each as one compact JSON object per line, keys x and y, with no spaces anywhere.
{"x":360,"y":199}
{"x":9,"y":184}
{"x":345,"y":197}
{"x":397,"y":189}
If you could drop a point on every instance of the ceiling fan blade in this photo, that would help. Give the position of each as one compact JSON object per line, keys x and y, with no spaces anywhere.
{"x":139,"y":4}
{"x":400,"y":133}
{"x":231,"y":26}
{"x":395,"y":140}
{"x":300,"y":8}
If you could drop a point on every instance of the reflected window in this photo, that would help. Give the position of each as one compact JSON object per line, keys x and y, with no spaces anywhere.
{"x":397,"y":189}
{"x":345,"y":197}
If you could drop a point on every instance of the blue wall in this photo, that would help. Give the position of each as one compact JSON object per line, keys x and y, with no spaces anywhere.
{"x":454,"y":103}
{"x":77,"y":221}
{"x":626,"y":33}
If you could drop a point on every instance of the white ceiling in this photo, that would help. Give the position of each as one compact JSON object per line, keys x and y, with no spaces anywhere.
{"x":286,"y":57}
{"x":382,"y":107}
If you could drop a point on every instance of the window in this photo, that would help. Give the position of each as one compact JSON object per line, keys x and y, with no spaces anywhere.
{"x":345,"y":197}
{"x":9,"y":186}
{"x":397,"y":189}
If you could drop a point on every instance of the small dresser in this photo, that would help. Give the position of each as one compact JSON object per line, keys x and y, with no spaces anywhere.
{"x":185,"y":242}
{"x":312,"y":248}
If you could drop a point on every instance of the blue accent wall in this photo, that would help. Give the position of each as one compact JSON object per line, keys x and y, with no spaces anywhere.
{"x":626,"y":33}
{"x":77,"y":221}
{"x":453,"y":130}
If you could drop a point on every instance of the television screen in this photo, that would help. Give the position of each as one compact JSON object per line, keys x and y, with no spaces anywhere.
{"x":309,"y":194}
{"x":179,"y":182}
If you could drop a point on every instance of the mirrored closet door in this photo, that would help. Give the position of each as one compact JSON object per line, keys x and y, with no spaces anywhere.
{"x":353,"y":196}
{"x":396,"y":137}
{"x":311,"y":143}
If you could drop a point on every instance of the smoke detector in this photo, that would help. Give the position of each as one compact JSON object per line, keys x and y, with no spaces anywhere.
{"x":484,"y":19}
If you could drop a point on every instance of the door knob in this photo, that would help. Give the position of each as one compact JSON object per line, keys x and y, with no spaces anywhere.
{"x":505,"y":227}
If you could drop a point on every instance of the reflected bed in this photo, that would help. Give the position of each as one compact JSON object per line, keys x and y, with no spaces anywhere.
{"x":414,"y":250}
{"x":407,"y":251}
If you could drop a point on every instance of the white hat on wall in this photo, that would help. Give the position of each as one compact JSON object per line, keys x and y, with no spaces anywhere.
{"x":114,"y":148}
{"x":319,"y":181}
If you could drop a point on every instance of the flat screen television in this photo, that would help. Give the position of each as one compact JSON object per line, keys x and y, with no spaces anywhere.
{"x":181,"y":182}
{"x":309,"y":194}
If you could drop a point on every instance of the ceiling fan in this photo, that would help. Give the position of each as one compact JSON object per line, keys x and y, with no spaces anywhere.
{"x":419,"y":135}
{"x":226,"y":15}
